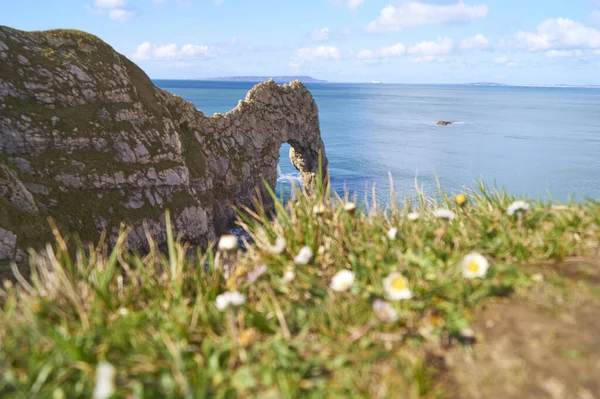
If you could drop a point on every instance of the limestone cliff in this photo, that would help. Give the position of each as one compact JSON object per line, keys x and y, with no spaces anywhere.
{"x":86,"y":138}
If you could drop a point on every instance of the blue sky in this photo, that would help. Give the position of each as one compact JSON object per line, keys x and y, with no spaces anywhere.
{"x":426,"y":41}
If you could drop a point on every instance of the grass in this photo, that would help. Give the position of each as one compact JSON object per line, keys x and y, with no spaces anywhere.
{"x":153,"y":317}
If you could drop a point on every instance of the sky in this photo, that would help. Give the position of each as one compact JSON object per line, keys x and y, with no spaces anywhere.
{"x":394,"y":41}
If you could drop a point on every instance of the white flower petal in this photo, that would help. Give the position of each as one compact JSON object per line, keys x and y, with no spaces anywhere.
{"x":279,"y":246}
{"x":396,"y":287}
{"x":350,"y":207}
{"x":384,"y":311}
{"x":392,"y":233}
{"x":412,"y":216}
{"x":474,"y":265}
{"x":518,"y":206}
{"x":105,"y":381}
{"x":304,"y":256}
{"x":289,"y":276}
{"x":227,"y":299}
{"x":342,"y":281}
{"x":228,"y":243}
{"x":442,"y":213}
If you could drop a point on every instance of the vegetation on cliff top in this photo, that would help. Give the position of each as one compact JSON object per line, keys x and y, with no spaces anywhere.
{"x":328,"y":301}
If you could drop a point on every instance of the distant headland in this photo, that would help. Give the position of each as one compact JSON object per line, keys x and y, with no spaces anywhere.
{"x":277,"y":79}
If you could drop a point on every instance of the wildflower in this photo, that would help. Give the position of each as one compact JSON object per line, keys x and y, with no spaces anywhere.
{"x":537,"y":277}
{"x":396,"y":287}
{"x":279,"y":246}
{"x":392,"y":233}
{"x":384,"y":311}
{"x":248,"y":337}
{"x":442,"y":213}
{"x":228,"y":243}
{"x":304,"y":256}
{"x":256,"y":273}
{"x":474,"y":265}
{"x":342,"y":281}
{"x":123,"y":311}
{"x":289,"y":276}
{"x":518,"y":207}
{"x":412,"y":216}
{"x":319,"y":209}
{"x":461,"y":200}
{"x":350,"y":207}
{"x":228,"y":299}
{"x":105,"y":381}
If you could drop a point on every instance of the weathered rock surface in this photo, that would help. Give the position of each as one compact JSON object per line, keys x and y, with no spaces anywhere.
{"x":86,"y":138}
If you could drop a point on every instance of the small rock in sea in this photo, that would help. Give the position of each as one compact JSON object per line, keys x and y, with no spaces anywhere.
{"x":444,"y":123}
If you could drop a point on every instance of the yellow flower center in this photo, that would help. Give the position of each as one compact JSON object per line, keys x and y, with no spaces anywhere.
{"x":473,"y":267}
{"x":398,"y":283}
{"x":461,"y":199}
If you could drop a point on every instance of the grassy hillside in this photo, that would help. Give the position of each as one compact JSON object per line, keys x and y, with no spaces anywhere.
{"x":159,"y":325}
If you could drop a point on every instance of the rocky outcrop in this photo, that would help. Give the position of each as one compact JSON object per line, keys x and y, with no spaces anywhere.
{"x":87,"y":139}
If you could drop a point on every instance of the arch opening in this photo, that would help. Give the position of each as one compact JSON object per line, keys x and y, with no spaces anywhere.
{"x":288,"y":176}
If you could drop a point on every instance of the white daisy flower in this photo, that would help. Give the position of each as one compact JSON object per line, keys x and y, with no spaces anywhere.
{"x":123,"y":311}
{"x":319,"y":209}
{"x":396,"y":287}
{"x":442,"y":213}
{"x":474,"y":265}
{"x":288,"y":276}
{"x":304,"y":256}
{"x":412,"y":216}
{"x":228,"y":299}
{"x":392,"y":233}
{"x":342,"y":281}
{"x":384,"y":311}
{"x":518,"y":207}
{"x":350,"y":207}
{"x":279,"y":246}
{"x":105,"y":381}
{"x":228,"y":243}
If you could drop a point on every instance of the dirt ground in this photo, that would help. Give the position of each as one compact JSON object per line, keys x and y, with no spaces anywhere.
{"x":543,"y":342}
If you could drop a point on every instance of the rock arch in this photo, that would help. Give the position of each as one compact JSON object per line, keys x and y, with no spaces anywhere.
{"x":90,"y":141}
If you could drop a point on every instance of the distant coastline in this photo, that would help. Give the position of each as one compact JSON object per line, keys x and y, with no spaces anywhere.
{"x":278,"y":79}
{"x":310,"y":79}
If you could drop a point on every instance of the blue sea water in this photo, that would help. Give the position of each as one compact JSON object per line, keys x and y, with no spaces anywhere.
{"x":532,"y":141}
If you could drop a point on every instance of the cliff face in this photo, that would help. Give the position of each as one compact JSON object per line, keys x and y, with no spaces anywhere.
{"x":86,"y":138}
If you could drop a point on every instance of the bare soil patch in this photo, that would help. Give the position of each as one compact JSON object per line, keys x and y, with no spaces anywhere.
{"x":544,"y":342}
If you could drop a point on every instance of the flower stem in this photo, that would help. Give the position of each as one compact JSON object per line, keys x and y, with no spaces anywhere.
{"x":234,"y":335}
{"x":278,"y":312}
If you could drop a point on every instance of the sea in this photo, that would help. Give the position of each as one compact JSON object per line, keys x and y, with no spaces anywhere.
{"x":533,"y":142}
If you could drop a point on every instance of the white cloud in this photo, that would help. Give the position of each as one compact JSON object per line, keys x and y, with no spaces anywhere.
{"x":309,"y":54}
{"x":320,"y":35}
{"x":443,"y":45}
{"x":109,"y":3}
{"x":563,"y":53}
{"x":354,"y":4}
{"x":413,"y":14}
{"x":505,"y":61}
{"x":396,"y":50}
{"x":116,"y":10}
{"x":171,"y":52}
{"x":425,"y":59}
{"x":559,"y":33}
{"x":119,"y":14}
{"x":351,"y":4}
{"x":477,"y":42}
